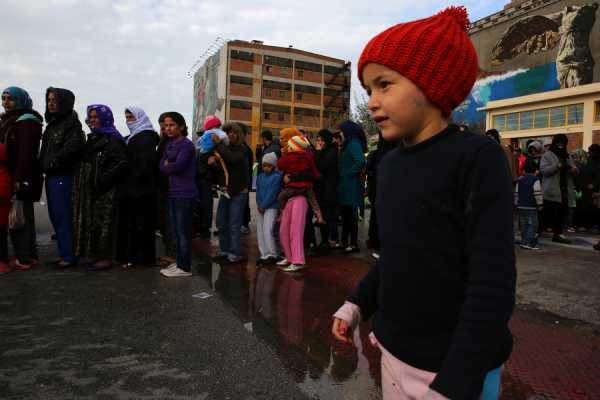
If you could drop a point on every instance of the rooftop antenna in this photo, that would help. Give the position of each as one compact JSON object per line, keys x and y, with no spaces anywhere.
{"x":209,"y":52}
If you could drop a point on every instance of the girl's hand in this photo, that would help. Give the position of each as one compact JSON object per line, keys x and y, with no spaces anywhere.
{"x":286,"y":179}
{"x":341,"y":331}
{"x":215,"y":138}
{"x":211,"y":160}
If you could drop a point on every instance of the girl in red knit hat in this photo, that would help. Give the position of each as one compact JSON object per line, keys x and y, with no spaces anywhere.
{"x":443,"y":290}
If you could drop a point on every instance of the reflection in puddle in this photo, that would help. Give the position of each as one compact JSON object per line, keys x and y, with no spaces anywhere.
{"x":291,"y":312}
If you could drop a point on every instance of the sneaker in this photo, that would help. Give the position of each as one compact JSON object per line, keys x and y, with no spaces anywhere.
{"x":234,"y":259}
{"x":352,"y":249}
{"x":293,"y":268}
{"x":529,"y":247}
{"x":270,"y":261}
{"x":375,"y":256}
{"x":4,"y":268}
{"x":169,"y":268}
{"x":22,"y":267}
{"x":561,"y":239}
{"x":283,"y":263}
{"x":176,"y":273}
{"x":571,"y":230}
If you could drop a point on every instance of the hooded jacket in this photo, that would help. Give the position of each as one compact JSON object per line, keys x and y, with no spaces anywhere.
{"x":550,"y":168}
{"x":63,"y":140}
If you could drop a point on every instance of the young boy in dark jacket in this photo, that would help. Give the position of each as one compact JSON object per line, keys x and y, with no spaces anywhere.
{"x":443,"y":291}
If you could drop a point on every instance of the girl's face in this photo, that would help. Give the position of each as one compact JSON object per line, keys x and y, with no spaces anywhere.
{"x":129,"y":117}
{"x":267,"y":168}
{"x":233,"y":137}
{"x":400,"y":109}
{"x":52,"y":103}
{"x":8,"y":103}
{"x":172,"y":130}
{"x":321,"y":143}
{"x":93,"y":120}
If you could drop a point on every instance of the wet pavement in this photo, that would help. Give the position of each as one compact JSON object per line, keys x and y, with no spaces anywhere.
{"x":263,"y":333}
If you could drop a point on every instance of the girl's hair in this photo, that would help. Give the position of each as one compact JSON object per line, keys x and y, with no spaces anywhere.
{"x":177,"y":118}
{"x":234,"y":127}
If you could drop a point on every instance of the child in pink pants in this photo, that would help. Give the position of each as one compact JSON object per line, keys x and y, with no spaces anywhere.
{"x":291,"y":233}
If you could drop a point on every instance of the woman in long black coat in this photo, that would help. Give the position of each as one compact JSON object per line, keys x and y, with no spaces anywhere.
{"x":136,"y":244}
{"x":326,"y":187}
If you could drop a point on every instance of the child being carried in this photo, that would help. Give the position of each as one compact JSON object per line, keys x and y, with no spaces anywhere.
{"x":298,"y":161}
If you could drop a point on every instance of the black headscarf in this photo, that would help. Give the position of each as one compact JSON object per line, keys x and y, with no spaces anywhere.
{"x":352,"y":130}
{"x":66,"y":103}
{"x":556,"y":148}
{"x":327,"y":136}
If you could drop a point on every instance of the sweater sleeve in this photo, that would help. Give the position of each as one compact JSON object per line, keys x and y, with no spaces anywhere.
{"x":28,"y":138}
{"x":182,"y":160}
{"x":538,"y":193}
{"x":476,"y":346}
{"x":366,"y":293}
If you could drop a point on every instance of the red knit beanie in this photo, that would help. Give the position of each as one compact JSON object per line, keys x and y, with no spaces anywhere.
{"x":435,"y":53}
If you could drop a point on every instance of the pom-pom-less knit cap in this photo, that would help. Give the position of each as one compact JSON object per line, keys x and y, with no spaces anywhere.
{"x":435,"y":53}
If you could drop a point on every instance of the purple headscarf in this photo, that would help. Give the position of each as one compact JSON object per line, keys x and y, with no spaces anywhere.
{"x":107,"y":121}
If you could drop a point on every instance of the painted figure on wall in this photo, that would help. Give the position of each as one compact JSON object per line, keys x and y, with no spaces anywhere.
{"x":568,"y":29}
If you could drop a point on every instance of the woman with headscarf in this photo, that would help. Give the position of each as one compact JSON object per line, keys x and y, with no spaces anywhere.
{"x":326,"y":187}
{"x":557,"y":169}
{"x":103,"y":165}
{"x":137,"y":192}
{"x":162,"y":200}
{"x":62,"y":144}
{"x":21,"y":131}
{"x":351,"y":186}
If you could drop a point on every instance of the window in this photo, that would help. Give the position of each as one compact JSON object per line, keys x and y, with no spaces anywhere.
{"x":269,"y":68}
{"x":575,"y":114}
{"x":557,"y":116}
{"x":282,"y":94}
{"x":269,"y":92}
{"x":540,"y":118}
{"x":241,"y":80}
{"x":500,"y":122}
{"x":244,"y":105}
{"x":298,"y":119}
{"x":280,"y":117}
{"x":512,"y":122}
{"x":526,"y":120}
{"x":597,"y":117}
{"x":298,"y":96}
{"x":267,"y":116}
{"x":283,"y":71}
{"x":300,"y":73}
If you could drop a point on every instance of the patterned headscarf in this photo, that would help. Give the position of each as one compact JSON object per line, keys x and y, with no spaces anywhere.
{"x":107,"y":121}
{"x":141,"y":123}
{"x":20,"y":97}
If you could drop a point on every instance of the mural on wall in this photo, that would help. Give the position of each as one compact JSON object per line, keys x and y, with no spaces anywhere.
{"x":521,"y":82}
{"x":568,"y":31}
{"x":206,"y":96}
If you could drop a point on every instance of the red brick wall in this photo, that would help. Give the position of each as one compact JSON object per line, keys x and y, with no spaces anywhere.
{"x":596,"y":137}
{"x":309,"y":98}
{"x":575,"y":141}
{"x":309,"y":76}
{"x":237,"y":89}
{"x":241,"y":65}
{"x":276,"y":70}
{"x":275,"y":118}
{"x":307,"y":121}
{"x":240,"y":114}
{"x":275,"y":95}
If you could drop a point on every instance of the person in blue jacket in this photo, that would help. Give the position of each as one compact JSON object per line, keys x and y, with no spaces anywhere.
{"x":268,"y":185}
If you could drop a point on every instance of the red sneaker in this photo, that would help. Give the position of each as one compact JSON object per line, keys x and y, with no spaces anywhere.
{"x":4,"y":268}
{"x":22,"y":267}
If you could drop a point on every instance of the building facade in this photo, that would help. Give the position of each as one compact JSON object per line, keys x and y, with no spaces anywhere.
{"x":269,"y":87}
{"x":529,"y":48}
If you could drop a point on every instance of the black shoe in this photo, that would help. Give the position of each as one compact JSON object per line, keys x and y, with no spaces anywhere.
{"x":220,"y":258}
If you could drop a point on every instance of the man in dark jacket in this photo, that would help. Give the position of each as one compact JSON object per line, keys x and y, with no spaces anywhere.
{"x":62,"y":145}
{"x":269,"y":145}
{"x":21,"y":130}
{"x":231,"y":206}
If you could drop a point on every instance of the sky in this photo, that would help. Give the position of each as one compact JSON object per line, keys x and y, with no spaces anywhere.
{"x":139,"y":52}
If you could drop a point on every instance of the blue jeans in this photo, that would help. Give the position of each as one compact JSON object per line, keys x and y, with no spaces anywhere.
{"x":60,"y":210}
{"x":229,"y":221}
{"x":529,"y":225}
{"x":180,"y":218}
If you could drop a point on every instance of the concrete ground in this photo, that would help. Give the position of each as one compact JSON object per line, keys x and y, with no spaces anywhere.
{"x":262,"y":333}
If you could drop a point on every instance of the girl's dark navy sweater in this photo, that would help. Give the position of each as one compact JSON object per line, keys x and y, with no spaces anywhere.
{"x":443,"y":290}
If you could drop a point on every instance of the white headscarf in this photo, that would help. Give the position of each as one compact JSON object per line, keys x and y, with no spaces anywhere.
{"x":141,"y":123}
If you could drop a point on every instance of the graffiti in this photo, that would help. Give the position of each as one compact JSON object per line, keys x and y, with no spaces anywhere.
{"x":569,"y":30}
{"x":206,"y":97}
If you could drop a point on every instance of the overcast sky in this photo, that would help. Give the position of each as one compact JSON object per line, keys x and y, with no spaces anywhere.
{"x":138,"y":52}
